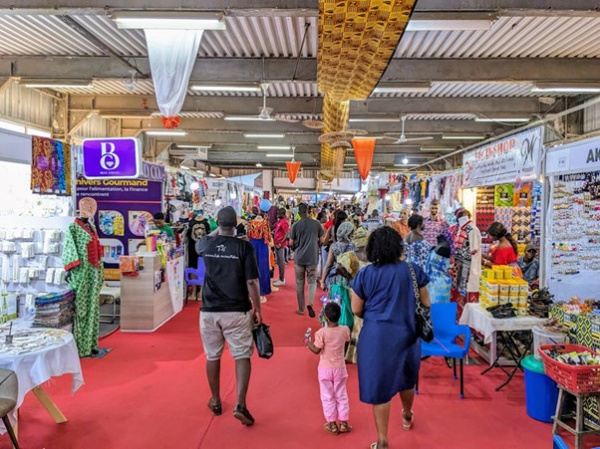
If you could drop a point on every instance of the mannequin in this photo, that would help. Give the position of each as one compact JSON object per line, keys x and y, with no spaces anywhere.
{"x":82,"y":258}
{"x":467,"y":260}
{"x":434,"y":225}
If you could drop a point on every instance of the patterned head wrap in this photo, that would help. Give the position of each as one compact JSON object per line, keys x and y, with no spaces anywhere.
{"x":350,"y":263}
{"x":344,"y":231}
{"x":361,"y":236}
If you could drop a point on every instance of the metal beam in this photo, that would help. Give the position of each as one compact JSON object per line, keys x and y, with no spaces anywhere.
{"x":273,"y":7}
{"x":251,"y":69}
{"x":133,"y":104}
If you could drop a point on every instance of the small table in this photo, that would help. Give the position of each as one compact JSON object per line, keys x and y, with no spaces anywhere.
{"x":504,"y":329}
{"x":35,"y":367}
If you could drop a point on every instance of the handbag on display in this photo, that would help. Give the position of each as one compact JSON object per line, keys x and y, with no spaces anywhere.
{"x":422,"y":313}
{"x":263,"y":341}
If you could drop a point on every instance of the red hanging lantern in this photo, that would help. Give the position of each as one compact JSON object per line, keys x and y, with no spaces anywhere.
{"x":293,"y":168}
{"x":171,"y":122}
{"x":363,"y":150}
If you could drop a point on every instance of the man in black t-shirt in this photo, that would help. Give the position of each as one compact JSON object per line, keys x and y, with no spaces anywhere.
{"x":227,"y":313}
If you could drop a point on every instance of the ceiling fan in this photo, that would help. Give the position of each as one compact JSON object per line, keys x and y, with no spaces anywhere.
{"x":403,"y":139}
{"x":266,"y":112}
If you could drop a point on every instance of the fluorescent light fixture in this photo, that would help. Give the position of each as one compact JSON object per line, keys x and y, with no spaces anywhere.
{"x":449,"y":25}
{"x":406,"y":165}
{"x":224,"y":88}
{"x":264,"y":136}
{"x":166,"y":133}
{"x":168,"y":20}
{"x":278,"y":155}
{"x":248,"y":118}
{"x":502,"y":119}
{"x":10,"y":126}
{"x":189,"y":146}
{"x":38,"y":132}
{"x":463,"y":137}
{"x":374,"y":120}
{"x":274,"y":147}
{"x":212,"y":175}
{"x":566,"y":88}
{"x":184,"y":167}
{"x":393,"y":88}
{"x":437,"y":149}
{"x":57,"y":84}
{"x":258,"y":165}
{"x":405,"y":160}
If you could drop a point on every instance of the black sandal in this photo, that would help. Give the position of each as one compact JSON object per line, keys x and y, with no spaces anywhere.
{"x":242,"y":414}
{"x":215,"y":407}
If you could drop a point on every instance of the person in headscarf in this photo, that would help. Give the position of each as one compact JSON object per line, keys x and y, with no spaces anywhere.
{"x":361,"y":237}
{"x":343,"y":243}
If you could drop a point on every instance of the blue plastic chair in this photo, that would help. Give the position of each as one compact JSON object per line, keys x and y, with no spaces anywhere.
{"x":446,"y":332}
{"x":195,"y":277}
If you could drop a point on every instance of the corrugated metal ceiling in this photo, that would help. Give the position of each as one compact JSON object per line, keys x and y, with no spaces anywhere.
{"x":515,"y":37}
{"x":306,"y":89}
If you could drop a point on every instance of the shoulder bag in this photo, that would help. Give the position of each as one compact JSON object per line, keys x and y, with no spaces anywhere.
{"x":422,"y":314}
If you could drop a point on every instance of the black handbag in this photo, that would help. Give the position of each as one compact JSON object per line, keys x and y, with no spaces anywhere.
{"x":263,"y":341}
{"x":422,"y":313}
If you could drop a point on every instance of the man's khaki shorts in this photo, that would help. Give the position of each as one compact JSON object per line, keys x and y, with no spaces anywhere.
{"x":234,"y":327}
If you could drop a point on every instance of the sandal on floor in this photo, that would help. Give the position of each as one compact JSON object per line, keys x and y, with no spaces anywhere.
{"x":331,"y":427}
{"x":408,"y":424}
{"x":299,"y":312}
{"x":344,"y":427}
{"x":215,"y":407}
{"x":243,"y":415}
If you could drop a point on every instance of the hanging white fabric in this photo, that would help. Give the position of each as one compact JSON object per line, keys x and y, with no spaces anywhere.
{"x":172,"y":55}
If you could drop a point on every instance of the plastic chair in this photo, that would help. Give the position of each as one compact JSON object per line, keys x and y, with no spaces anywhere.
{"x":9,"y":389}
{"x":446,"y":331}
{"x":195,"y":277}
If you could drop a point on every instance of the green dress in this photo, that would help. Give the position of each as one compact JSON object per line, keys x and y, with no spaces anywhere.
{"x":82,"y":258}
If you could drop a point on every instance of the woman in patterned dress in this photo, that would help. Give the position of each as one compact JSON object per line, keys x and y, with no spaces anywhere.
{"x":417,"y":247}
{"x":259,"y":233}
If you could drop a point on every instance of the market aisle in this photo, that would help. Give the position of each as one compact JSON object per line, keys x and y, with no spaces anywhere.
{"x":150,"y":392}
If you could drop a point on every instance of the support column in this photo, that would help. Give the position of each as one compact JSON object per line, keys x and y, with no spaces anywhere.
{"x":267,"y":179}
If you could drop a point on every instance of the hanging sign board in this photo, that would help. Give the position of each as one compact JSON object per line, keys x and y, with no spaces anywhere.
{"x":515,"y":158}
{"x":579,"y":156}
{"x":112,"y":158}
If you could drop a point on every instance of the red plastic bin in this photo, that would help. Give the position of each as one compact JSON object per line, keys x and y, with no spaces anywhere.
{"x":578,"y":379}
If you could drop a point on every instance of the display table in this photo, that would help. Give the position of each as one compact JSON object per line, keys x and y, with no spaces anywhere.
{"x":34,"y":367}
{"x":146,"y":301}
{"x":503,"y":329}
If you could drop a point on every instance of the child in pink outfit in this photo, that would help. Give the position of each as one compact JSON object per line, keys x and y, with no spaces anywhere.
{"x":330,"y":343}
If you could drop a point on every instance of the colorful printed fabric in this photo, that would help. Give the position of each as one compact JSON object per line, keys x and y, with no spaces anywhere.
{"x":433,"y":228}
{"x":81,"y":257}
{"x":440,"y":281}
{"x":418,"y":253}
{"x":51,"y":167}
{"x":259,"y":229}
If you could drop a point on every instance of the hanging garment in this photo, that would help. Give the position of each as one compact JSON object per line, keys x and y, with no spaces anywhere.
{"x":440,"y":281}
{"x":467,"y":262}
{"x":259,"y":233}
{"x":82,"y":258}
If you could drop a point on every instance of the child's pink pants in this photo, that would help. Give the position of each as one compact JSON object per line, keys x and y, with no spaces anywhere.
{"x":334,"y":397}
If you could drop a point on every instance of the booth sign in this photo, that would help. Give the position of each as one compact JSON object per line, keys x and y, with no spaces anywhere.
{"x":515,"y":158}
{"x":112,"y":158}
{"x":580,"y":156}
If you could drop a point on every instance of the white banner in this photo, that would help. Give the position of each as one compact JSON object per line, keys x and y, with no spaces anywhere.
{"x":578,"y":156}
{"x":515,"y":158}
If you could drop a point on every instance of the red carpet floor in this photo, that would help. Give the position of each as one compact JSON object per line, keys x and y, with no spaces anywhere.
{"x":150,"y":392}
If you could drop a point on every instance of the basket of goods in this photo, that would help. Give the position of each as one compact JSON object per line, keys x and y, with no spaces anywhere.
{"x":573,"y":367}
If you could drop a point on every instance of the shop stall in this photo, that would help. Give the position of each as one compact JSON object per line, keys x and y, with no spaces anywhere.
{"x":573,"y":220}
{"x":501,"y":182}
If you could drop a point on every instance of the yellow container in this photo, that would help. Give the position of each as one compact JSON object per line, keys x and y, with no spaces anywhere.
{"x":503,"y":299}
{"x":504,"y":289}
{"x":493,"y":287}
{"x":524,"y":288}
{"x":514,"y":289}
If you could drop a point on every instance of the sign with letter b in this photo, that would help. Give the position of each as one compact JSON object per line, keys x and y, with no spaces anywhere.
{"x":112,"y":158}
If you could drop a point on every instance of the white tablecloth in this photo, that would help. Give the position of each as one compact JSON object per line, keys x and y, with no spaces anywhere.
{"x":35,"y":368}
{"x":481,"y":320}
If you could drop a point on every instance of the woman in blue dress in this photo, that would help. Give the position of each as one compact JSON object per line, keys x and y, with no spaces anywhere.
{"x":388,"y":349}
{"x":417,"y":247}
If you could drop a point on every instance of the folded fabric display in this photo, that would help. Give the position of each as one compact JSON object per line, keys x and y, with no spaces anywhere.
{"x":129,"y":265}
{"x":54,"y":309}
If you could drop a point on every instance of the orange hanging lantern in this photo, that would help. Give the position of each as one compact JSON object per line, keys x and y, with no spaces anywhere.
{"x":293,"y":168}
{"x":363,"y":150}
{"x":171,"y":122}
